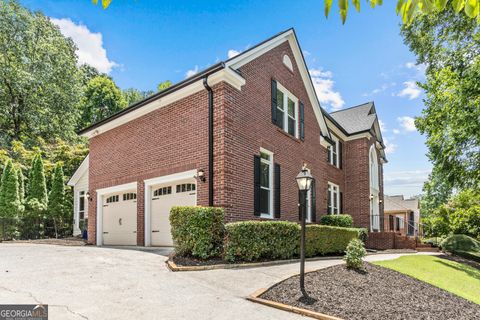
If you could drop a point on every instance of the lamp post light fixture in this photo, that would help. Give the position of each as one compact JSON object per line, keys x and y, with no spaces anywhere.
{"x":304,"y":181}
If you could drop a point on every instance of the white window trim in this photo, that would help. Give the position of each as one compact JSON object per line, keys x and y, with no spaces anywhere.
{"x":337,"y":154}
{"x":286,"y":95}
{"x":79,"y":195}
{"x":330,"y":189}
{"x":270,"y":178}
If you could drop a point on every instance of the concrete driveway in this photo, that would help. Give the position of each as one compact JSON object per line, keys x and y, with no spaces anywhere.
{"x":111,"y":283}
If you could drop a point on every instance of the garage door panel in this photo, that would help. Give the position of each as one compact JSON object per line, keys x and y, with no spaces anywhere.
{"x":163,"y":198}
{"x":120,"y":219}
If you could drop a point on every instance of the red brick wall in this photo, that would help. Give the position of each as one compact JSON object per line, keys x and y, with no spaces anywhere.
{"x":169,"y":140}
{"x":175,"y":138}
{"x":249,"y":128}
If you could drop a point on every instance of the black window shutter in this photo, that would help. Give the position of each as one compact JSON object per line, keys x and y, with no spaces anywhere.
{"x":274,"y":102}
{"x":256,"y":181}
{"x":302,"y":121}
{"x":340,"y":210}
{"x":276,"y":195}
{"x":340,"y":154}
{"x":329,"y":157}
{"x":314,"y":201}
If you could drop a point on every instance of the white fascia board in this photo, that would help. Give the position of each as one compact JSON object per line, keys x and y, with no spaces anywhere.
{"x":82,"y":169}
{"x":171,"y":178}
{"x":289,"y":36}
{"x":229,"y":76}
{"x":118,"y":188}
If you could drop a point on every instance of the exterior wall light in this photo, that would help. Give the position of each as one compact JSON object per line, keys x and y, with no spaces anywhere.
{"x":201,"y":175}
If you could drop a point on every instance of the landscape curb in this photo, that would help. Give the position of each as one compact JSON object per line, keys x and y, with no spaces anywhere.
{"x":285,"y":307}
{"x":175,"y":268}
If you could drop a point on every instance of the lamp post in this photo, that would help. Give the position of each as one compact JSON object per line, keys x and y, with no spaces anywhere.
{"x":304,"y":181}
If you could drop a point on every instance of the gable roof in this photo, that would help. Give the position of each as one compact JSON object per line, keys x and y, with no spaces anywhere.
{"x":355,"y":119}
{"x":80,"y":171}
{"x":398,"y":203}
{"x":223,"y":71}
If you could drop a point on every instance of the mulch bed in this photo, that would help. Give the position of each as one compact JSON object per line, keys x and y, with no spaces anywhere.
{"x":375,"y":293}
{"x":72,"y":241}
{"x":471,"y":263}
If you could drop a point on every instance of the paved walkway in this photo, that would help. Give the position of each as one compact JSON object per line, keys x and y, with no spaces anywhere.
{"x":111,"y":283}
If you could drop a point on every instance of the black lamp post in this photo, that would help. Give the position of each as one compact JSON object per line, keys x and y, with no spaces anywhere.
{"x":304,"y":181}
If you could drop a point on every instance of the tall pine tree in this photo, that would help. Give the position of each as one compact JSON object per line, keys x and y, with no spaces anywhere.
{"x":21,"y":185}
{"x":37,"y":190}
{"x":56,"y":199}
{"x":9,"y":197}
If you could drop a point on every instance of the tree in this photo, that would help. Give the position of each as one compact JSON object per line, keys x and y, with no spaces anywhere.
{"x":9,"y":197}
{"x":56,"y":198}
{"x":37,"y":190}
{"x":39,"y":79}
{"x":133,"y":96}
{"x":164,"y":85}
{"x":21,"y":185}
{"x":407,"y":9}
{"x":101,"y":99}
{"x":448,"y":45}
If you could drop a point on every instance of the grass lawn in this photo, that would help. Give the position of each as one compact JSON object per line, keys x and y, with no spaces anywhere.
{"x":451,"y":276}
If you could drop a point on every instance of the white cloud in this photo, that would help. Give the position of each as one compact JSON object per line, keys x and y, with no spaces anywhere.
{"x":389,"y":146}
{"x":383,"y":126}
{"x":411,"y":90}
{"x":306,"y":53}
{"x":323,"y":83}
{"x":414,"y":178}
{"x":420,"y":68}
{"x":191,"y":72}
{"x":396,"y":131}
{"x":382,"y":88}
{"x":90,"y":45}
{"x":407,"y":123}
{"x":232,"y":53}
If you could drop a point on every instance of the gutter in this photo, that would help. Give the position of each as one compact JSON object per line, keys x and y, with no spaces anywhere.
{"x":210,"y":140}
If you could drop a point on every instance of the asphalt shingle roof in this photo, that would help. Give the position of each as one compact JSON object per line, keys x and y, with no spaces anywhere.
{"x":398,"y":203}
{"x":355,"y":119}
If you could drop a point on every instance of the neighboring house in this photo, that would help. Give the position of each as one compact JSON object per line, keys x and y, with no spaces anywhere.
{"x":402,"y":215}
{"x":234,"y":135}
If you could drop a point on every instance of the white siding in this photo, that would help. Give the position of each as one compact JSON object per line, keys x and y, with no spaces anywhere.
{"x":81,"y":185}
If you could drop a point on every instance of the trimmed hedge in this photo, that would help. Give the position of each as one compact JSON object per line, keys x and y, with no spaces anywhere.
{"x":197,"y":231}
{"x":255,"y":240}
{"x":322,"y":240}
{"x":338,"y":220}
{"x":460,"y":242}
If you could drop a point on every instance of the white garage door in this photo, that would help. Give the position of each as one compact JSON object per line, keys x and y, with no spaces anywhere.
{"x":164,"y":197}
{"x":120,"y":219}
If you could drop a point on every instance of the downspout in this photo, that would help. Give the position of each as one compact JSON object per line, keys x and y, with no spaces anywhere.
{"x":210,"y":141}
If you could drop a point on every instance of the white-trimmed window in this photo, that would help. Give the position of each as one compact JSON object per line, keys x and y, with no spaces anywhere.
{"x":333,"y":198}
{"x":334,"y":152}
{"x":266,"y":183}
{"x":81,"y":205}
{"x":287,"y":111}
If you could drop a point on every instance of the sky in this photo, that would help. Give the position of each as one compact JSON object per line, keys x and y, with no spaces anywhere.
{"x":141,"y":43}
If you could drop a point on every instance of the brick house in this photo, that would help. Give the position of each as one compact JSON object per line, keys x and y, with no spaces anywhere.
{"x":234,"y":135}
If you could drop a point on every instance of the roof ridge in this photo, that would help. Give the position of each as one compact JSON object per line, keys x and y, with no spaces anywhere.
{"x":356,"y":106}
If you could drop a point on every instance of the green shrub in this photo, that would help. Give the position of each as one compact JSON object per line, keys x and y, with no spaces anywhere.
{"x":435,"y":241}
{"x":338,"y":220}
{"x":354,"y":254}
{"x":362,"y":234}
{"x":460,"y":242}
{"x":470,"y":255}
{"x":255,"y":240}
{"x":323,"y":240}
{"x":197,"y":231}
